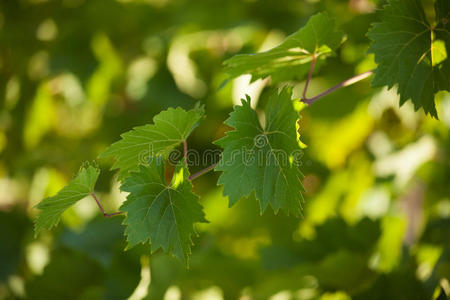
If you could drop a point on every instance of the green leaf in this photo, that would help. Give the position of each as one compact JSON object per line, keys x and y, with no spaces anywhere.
{"x":291,"y":59}
{"x":171,"y":127}
{"x":411,"y":53}
{"x":263,"y":160}
{"x":52,"y":207}
{"x":163,"y":214}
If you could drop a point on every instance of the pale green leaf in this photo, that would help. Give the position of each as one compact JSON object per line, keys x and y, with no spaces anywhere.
{"x":265,"y":159}
{"x":411,"y":53}
{"x":291,"y":59}
{"x":52,"y":207}
{"x":171,"y":127}
{"x":159,"y":213}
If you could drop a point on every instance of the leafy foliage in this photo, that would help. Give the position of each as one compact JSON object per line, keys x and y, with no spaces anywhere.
{"x":159,"y":213}
{"x":291,"y":58}
{"x":411,"y":53}
{"x":263,"y":160}
{"x":170,"y":128}
{"x":69,"y":93}
{"x":52,"y":207}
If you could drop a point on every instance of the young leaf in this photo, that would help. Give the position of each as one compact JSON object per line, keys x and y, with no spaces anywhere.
{"x":263,"y":160}
{"x":52,"y":207}
{"x":291,"y":59}
{"x":159,"y":213}
{"x":411,"y":53}
{"x":171,"y":127}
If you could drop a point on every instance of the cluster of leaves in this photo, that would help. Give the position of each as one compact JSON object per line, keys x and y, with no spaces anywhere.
{"x":163,"y":213}
{"x":407,"y":49}
{"x":376,"y":221}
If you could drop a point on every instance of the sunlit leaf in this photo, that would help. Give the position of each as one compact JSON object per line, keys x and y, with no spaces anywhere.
{"x":52,"y":207}
{"x":171,"y":127}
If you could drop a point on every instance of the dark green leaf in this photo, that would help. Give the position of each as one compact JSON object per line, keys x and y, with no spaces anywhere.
{"x":161,"y":214}
{"x":263,"y":160}
{"x":411,"y":53}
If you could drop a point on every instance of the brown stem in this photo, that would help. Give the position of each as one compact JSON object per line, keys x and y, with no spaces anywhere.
{"x":311,"y":70}
{"x":185,"y":148}
{"x":345,"y":83}
{"x":200,"y":173}
{"x":106,"y":215}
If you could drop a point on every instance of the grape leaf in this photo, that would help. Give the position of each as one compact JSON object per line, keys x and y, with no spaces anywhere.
{"x":291,"y":58}
{"x":159,"y":213}
{"x":263,"y":160}
{"x":52,"y":207}
{"x":171,"y":127}
{"x":411,"y":53}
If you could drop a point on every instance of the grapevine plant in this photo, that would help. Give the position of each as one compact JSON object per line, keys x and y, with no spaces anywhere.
{"x":260,"y":158}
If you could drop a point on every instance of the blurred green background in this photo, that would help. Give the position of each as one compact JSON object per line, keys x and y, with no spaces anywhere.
{"x":75,"y":74}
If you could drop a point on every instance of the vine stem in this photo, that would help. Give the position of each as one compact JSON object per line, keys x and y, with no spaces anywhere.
{"x":185,"y":150}
{"x":106,"y":215}
{"x":311,"y":70}
{"x":344,"y":83}
{"x":201,"y":172}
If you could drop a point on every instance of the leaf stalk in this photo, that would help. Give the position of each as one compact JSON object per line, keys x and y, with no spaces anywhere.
{"x":201,"y":172}
{"x":344,"y":83}
{"x":105,"y":214}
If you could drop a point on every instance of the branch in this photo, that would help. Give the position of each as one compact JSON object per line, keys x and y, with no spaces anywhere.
{"x":106,"y":215}
{"x":345,"y":83}
{"x":204,"y":171}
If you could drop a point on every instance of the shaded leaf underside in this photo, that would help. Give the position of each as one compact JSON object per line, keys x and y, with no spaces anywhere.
{"x":291,"y":59}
